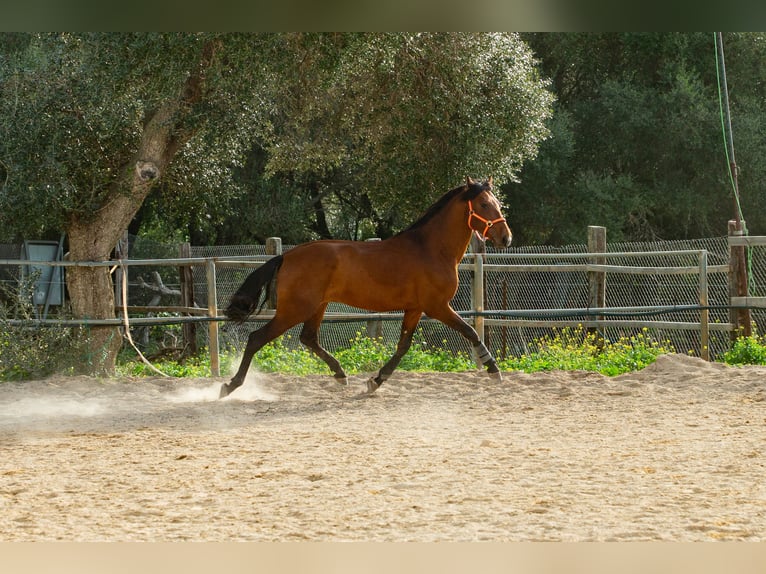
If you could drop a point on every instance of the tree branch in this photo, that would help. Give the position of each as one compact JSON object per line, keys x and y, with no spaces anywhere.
{"x":158,"y":286}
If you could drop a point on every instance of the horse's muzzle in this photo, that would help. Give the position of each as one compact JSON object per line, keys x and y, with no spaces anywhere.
{"x":501,"y":239}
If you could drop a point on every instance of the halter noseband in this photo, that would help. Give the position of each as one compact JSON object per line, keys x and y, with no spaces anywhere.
{"x":487,"y":222}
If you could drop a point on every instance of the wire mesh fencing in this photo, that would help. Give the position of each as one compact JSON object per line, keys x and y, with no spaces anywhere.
{"x":505,"y":290}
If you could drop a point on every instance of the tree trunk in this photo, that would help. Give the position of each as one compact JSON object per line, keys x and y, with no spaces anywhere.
{"x":92,"y":295}
{"x":93,"y":236}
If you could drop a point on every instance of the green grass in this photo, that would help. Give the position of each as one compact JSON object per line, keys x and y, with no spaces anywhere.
{"x":128,"y":364}
{"x":568,"y":349}
{"x":362,"y":355}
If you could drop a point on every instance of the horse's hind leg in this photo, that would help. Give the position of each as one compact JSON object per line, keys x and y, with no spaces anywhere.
{"x":310,"y":337}
{"x":255,"y":341}
{"x":409,"y":324}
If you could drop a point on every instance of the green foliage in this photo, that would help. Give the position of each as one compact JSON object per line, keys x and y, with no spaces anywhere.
{"x":576,"y":349}
{"x":130,"y":364}
{"x":329,"y":134}
{"x":399,"y":118}
{"x":276,"y":357}
{"x":747,"y":351}
{"x":568,"y":350}
{"x":364,"y":354}
{"x":73,"y":108}
{"x":367,"y":354}
{"x":636,"y":137}
{"x":33,"y":351}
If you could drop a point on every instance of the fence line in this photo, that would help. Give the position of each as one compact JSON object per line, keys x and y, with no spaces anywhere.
{"x":478,"y":314}
{"x":481,"y":266}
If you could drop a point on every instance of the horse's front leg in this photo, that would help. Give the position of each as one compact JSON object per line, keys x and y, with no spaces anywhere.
{"x":480,"y":352}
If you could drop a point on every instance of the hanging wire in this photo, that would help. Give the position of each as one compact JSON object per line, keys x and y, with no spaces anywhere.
{"x":729,"y":142}
{"x":726,"y":142}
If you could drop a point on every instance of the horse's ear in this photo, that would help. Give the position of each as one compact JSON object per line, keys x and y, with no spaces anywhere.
{"x":468,"y":180}
{"x":490,"y":181}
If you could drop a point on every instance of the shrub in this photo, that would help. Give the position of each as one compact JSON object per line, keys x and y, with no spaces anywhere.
{"x":747,"y":351}
{"x":576,"y":349}
{"x":33,"y":350}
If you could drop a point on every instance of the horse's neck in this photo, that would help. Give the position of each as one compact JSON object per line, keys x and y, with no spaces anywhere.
{"x":447,"y":234}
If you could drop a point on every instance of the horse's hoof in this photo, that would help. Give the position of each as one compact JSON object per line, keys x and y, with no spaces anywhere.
{"x":225,"y":390}
{"x":497,"y":375}
{"x":342,"y":381}
{"x":372,"y":385}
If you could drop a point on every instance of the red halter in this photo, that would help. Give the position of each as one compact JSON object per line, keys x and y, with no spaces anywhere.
{"x":487,"y":223}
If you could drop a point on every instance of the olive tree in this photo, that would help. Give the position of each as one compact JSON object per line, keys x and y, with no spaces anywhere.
{"x":89,"y":123}
{"x":390,"y":121}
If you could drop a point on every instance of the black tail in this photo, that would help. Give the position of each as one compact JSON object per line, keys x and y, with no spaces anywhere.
{"x":245,"y":301}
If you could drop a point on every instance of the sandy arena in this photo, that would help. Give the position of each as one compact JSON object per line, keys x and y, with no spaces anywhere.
{"x":675,"y":452}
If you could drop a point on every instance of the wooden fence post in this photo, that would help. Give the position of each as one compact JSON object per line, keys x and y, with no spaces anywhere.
{"x":739,"y":318}
{"x":477,"y":285}
{"x":704,"y":311}
{"x":120,"y":252}
{"x":597,"y":279}
{"x":186,"y":274}
{"x":273,"y":247}
{"x":212,"y":312}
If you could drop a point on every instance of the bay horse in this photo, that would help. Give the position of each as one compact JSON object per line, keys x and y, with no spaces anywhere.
{"x":414,"y":271}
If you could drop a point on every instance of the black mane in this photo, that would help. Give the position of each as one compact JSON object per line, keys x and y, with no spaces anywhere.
{"x":466,"y":192}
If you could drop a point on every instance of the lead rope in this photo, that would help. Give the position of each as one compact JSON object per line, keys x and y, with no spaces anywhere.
{"x":127,"y":322}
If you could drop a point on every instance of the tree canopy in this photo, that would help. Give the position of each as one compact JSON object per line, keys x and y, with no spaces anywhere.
{"x":352,"y":135}
{"x":330,"y":134}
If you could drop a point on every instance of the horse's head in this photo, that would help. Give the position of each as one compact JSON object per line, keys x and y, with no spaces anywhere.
{"x":484,"y":213}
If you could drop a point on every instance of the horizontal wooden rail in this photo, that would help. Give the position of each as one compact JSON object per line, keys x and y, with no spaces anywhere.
{"x":600,"y":323}
{"x":588,"y":255}
{"x":586,"y":267}
{"x":162,"y":309}
{"x":239,"y":261}
{"x":747,"y":240}
{"x":749,"y":302}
